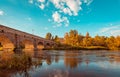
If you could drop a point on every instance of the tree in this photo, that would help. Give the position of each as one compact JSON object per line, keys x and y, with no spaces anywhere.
{"x":52,"y":38}
{"x":117,"y":41}
{"x":87,"y":41}
{"x":72,"y":38}
{"x":87,"y":35}
{"x":111,"y":42}
{"x":66,"y":38}
{"x":99,"y":40}
{"x":48,"y":36}
{"x":80,"y":39}
{"x":56,"y":39}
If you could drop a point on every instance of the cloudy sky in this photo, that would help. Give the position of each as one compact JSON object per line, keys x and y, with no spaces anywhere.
{"x":100,"y":17}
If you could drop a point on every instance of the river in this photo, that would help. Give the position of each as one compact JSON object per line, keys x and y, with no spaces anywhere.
{"x":81,"y":63}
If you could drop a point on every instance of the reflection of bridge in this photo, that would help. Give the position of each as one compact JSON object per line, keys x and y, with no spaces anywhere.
{"x":11,"y":38}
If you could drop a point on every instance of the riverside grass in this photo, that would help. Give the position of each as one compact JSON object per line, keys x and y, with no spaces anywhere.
{"x":15,"y":61}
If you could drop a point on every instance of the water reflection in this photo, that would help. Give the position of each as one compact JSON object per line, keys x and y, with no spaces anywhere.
{"x":59,"y":73}
{"x":71,"y":59}
{"x":56,"y":58}
{"x":71,"y":64}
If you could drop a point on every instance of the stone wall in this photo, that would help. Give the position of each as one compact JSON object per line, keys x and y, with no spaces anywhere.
{"x":18,"y":38}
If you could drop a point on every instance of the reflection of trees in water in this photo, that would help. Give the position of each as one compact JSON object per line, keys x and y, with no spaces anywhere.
{"x":25,"y":72}
{"x":21,"y":65}
{"x":56,"y":58}
{"x":71,"y":59}
{"x":43,"y":55}
{"x":59,"y":73}
{"x":114,"y":58}
{"x":48,"y":60}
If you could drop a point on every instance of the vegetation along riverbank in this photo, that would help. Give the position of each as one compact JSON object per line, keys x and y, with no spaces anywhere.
{"x":75,"y":40}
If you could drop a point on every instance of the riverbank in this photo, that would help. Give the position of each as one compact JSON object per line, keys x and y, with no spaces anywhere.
{"x":79,"y":48}
{"x":19,"y":62}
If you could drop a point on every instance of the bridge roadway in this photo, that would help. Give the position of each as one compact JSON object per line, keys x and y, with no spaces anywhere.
{"x":15,"y":39}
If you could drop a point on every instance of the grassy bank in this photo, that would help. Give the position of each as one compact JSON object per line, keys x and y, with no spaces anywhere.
{"x":78,"y":48}
{"x":19,"y":62}
{"x":15,"y":61}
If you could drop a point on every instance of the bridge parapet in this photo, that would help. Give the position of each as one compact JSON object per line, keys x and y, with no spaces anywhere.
{"x":21,"y":39}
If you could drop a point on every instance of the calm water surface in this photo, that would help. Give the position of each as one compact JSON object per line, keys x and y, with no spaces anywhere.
{"x":74,"y":64}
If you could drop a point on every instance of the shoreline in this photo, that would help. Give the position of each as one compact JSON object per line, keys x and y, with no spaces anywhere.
{"x":78,"y":49}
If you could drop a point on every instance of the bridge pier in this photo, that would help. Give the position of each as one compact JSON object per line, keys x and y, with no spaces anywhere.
{"x":35,"y":49}
{"x":18,"y":39}
{"x":17,"y":50}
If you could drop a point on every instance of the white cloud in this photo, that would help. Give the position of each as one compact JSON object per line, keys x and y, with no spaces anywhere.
{"x":67,"y":11}
{"x":57,"y":18}
{"x":74,"y":5}
{"x":88,"y":2}
{"x":58,"y":3}
{"x":112,"y":30}
{"x":106,"y":29}
{"x":70,"y":7}
{"x":31,"y":1}
{"x":63,"y":8}
{"x":66,"y":21}
{"x":1,"y":12}
{"x":115,"y":32}
{"x":41,"y":0}
{"x":42,"y":6}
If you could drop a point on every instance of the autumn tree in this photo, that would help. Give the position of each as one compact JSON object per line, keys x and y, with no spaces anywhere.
{"x":99,"y":40}
{"x":111,"y":42}
{"x":87,"y":41}
{"x":66,"y":38}
{"x":72,"y":38}
{"x":80,"y":38}
{"x":117,"y":41}
{"x":48,"y":36}
{"x":56,"y":39}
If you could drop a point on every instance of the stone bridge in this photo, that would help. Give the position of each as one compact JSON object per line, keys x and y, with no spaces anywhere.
{"x":15,"y":39}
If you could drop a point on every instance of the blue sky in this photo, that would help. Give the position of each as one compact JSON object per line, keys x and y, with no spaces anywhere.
{"x":100,"y":17}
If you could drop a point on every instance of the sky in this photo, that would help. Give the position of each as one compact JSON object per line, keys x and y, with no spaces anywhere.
{"x":38,"y":17}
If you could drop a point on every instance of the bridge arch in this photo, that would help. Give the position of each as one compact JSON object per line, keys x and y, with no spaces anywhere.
{"x":47,"y":45}
{"x":40,"y":45}
{"x":6,"y":42}
{"x":27,"y":44}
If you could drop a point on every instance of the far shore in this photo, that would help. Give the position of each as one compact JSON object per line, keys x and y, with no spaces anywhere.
{"x":80,"y":48}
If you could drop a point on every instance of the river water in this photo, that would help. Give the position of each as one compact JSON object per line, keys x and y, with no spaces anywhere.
{"x":82,"y":63}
